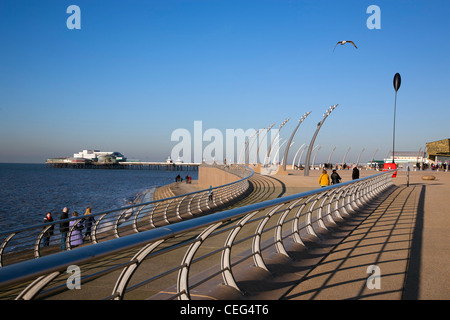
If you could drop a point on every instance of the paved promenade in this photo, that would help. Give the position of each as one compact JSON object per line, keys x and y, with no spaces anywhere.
{"x":396,"y":248}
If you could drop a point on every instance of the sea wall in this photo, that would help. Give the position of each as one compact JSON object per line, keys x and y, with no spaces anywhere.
{"x":215,"y":176}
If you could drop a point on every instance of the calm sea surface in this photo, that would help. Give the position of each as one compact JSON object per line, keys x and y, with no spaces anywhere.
{"x":28,"y":191}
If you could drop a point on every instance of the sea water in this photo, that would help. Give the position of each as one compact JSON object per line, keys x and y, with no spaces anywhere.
{"x":29,"y":191}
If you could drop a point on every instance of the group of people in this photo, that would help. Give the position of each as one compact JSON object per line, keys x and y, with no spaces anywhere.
{"x":188,"y":179}
{"x":439,"y":166}
{"x":325,"y":181}
{"x":81,"y":228}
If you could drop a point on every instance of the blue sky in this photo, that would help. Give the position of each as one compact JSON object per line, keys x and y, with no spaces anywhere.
{"x":138,"y":70}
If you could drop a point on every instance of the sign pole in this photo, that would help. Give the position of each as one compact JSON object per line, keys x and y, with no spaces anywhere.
{"x":397,"y":82}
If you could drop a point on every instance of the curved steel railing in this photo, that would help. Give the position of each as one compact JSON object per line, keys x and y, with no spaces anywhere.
{"x":198,"y":254}
{"x":28,"y":243}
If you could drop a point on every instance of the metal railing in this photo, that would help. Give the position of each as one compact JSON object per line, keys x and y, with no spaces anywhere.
{"x":44,"y":239}
{"x":186,"y":259}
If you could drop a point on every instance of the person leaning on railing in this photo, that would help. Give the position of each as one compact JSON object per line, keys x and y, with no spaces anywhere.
{"x":64,"y":227}
{"x":47,"y":234}
{"x":88,"y":223}
{"x":76,"y":238}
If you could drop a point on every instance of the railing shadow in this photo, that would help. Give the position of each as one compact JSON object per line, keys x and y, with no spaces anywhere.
{"x":391,"y":236}
{"x":411,"y":290}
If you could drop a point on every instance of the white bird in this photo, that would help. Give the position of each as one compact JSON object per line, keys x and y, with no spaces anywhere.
{"x":344,"y":42}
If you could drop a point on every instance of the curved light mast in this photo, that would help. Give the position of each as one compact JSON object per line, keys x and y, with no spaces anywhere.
{"x":292,"y":136}
{"x":278,"y":132}
{"x":243,"y":153}
{"x":295,"y":157}
{"x":251,"y":146}
{"x":276,"y":152}
{"x":314,"y":158}
{"x":276,"y":142}
{"x":319,"y":125}
{"x":357,"y":161}
{"x":248,"y":146}
{"x":262,"y":139}
{"x":345,"y":156}
{"x":329,"y":158}
{"x":300,"y":158}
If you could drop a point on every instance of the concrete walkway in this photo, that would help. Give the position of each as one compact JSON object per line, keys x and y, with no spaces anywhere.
{"x":403,"y":235}
{"x":396,"y":248}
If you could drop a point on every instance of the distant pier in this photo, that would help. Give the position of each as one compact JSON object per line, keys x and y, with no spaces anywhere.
{"x":160,"y":166}
{"x":125,"y":165}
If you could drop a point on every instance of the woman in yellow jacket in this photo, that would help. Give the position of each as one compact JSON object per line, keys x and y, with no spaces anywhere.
{"x":324,"y":179}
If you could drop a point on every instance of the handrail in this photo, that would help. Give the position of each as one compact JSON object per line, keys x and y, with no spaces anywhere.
{"x":27,"y":243}
{"x":244,"y":233}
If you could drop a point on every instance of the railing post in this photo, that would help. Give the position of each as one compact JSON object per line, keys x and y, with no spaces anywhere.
{"x":225,"y":261}
{"x":3,"y":246}
{"x":127,"y":272}
{"x":183,"y":274}
{"x":256,"y":247}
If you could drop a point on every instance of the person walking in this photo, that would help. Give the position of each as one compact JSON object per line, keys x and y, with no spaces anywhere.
{"x":355,"y":173}
{"x":76,"y":226}
{"x":210,"y":197}
{"x":335,"y":177}
{"x":324,"y":179}
{"x":64,"y":227}
{"x":49,"y":232}
{"x":88,"y":222}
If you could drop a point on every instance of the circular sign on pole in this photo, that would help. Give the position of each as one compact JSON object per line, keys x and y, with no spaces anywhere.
{"x":397,"y":81}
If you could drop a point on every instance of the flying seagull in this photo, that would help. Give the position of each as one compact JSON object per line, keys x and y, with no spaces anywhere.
{"x":344,"y":42}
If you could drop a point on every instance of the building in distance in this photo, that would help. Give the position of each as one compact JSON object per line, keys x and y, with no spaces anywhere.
{"x":407,"y":158}
{"x":100,"y":156}
{"x":439,"y":151}
{"x":90,"y":157}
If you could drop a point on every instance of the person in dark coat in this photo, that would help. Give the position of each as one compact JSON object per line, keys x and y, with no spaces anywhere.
{"x":335,"y":177}
{"x":47,"y":234}
{"x":355,"y":173}
{"x":64,"y":227}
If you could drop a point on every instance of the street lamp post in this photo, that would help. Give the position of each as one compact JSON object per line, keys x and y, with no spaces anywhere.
{"x":391,"y":166}
{"x":292,"y":136}
{"x":319,"y":125}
